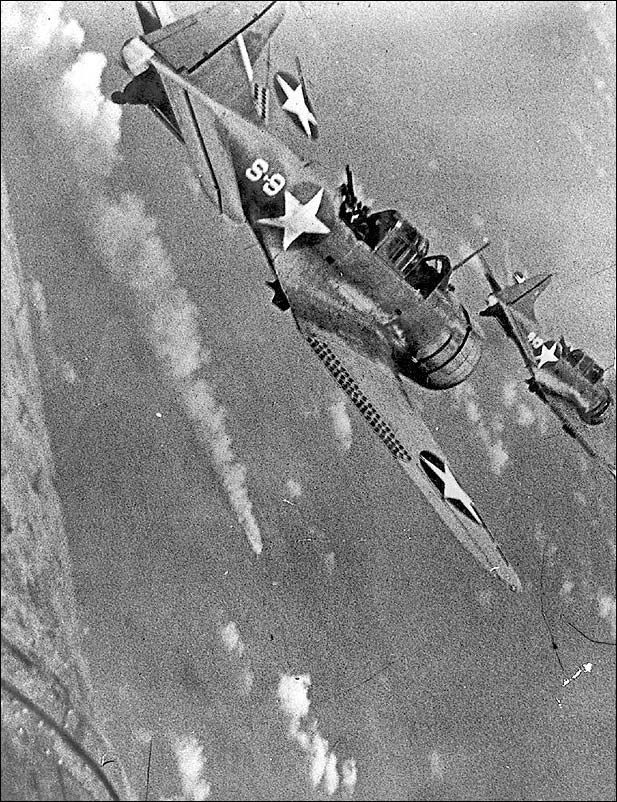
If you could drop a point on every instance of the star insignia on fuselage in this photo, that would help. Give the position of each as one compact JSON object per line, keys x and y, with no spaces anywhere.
{"x":547,"y":355}
{"x":299,"y":218}
{"x":296,"y":104}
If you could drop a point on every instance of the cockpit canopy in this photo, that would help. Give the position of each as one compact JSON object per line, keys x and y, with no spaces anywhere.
{"x":402,"y":246}
{"x":582,"y":362}
{"x":398,"y":243}
{"x":405,"y":249}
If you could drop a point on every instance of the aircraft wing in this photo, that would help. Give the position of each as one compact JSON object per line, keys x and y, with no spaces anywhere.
{"x":380,"y":397}
{"x":560,"y":409}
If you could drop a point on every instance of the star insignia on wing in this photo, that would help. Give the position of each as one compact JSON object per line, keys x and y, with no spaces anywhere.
{"x":296,"y":104}
{"x":547,"y":355}
{"x":299,"y":218}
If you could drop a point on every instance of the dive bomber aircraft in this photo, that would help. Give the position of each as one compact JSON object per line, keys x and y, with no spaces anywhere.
{"x":362,"y":289}
{"x":566,"y":379}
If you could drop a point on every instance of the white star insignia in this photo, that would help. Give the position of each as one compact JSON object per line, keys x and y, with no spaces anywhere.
{"x":299,"y":218}
{"x":296,"y":104}
{"x":547,"y":355}
{"x":452,"y":491}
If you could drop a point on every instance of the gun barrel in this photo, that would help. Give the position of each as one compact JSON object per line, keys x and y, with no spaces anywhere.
{"x":349,"y":180}
{"x":471,"y":255}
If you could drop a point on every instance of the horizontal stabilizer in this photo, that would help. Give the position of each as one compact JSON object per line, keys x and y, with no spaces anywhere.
{"x":189,"y":43}
{"x":522,"y":295}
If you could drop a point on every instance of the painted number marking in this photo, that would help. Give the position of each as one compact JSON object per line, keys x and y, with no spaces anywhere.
{"x":258,"y":171}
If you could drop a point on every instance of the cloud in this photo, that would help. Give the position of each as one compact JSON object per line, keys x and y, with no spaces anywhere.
{"x":607,"y":608}
{"x":231,"y":639}
{"x":349,"y":775}
{"x":134,"y":254}
{"x":293,"y":697}
{"x":342,"y":424}
{"x":29,"y":29}
{"x":294,"y":489}
{"x":62,"y":85}
{"x":61,"y":368}
{"x":467,"y":396}
{"x":190,"y":762}
{"x":331,"y":778}
{"x":497,"y":456}
{"x":485,"y":598}
{"x":322,"y":763}
{"x":140,"y":734}
{"x":236,"y":648}
{"x":477,"y":222}
{"x":437,"y":766}
{"x":81,"y":107}
{"x":567,"y":588}
{"x":525,"y":415}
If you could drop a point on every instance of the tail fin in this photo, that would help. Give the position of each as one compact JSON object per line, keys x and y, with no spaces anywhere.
{"x":153,"y":18}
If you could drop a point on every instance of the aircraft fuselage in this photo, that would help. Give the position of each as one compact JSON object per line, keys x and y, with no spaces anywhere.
{"x":339,"y":282}
{"x":565,"y":372}
{"x":327,"y":274}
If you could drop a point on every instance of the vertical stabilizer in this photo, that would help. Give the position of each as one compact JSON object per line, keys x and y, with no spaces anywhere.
{"x":154,"y":15}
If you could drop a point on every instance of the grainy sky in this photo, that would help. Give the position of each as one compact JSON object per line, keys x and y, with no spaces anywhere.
{"x":428,"y":680}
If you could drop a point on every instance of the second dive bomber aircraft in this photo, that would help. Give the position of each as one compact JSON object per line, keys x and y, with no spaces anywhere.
{"x":362,"y":289}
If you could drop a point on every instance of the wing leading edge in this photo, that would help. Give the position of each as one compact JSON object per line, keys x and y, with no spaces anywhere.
{"x":379,"y":396}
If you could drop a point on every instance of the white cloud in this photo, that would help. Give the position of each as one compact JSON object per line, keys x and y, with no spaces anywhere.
{"x":322,"y":763}
{"x":437,"y":766}
{"x":61,"y":88}
{"x":231,"y":639}
{"x":294,"y":489}
{"x":566,"y":588}
{"x":331,"y":778}
{"x":80,"y":106}
{"x":497,"y":456}
{"x":473,"y":410}
{"x":477,"y":222}
{"x":236,"y":649}
{"x":497,"y":424}
{"x":468,"y":397}
{"x":349,"y":775}
{"x":142,"y":735}
{"x":293,"y":696}
{"x":342,"y":424}
{"x":485,"y":598}
{"x":28,"y":30}
{"x":525,"y":414}
{"x":607,"y":608}
{"x":190,"y":762}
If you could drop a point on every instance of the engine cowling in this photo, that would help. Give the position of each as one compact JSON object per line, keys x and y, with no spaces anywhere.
{"x":446,"y":357}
